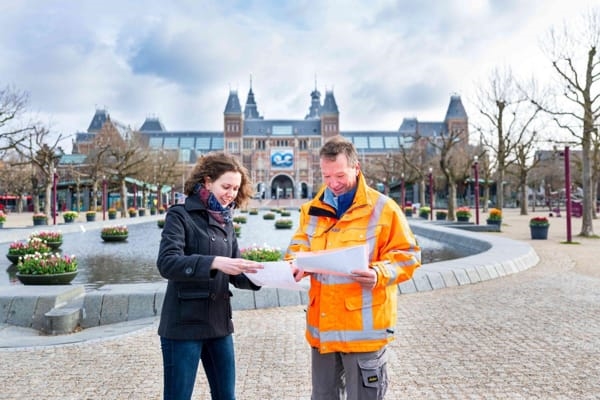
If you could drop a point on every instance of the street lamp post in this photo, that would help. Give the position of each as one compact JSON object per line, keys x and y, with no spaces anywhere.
{"x":430,"y":193}
{"x":54,"y":195}
{"x":568,"y":192}
{"x":402,"y":190}
{"x":476,"y":188}
{"x":104,"y":198}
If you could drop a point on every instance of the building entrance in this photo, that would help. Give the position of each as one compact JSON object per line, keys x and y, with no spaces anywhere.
{"x":282,"y":187}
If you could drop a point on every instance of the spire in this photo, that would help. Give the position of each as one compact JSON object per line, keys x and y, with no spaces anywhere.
{"x":456,"y":110}
{"x":329,"y":104}
{"x":314,"y":111}
{"x":233,"y":103}
{"x":250,"y":109}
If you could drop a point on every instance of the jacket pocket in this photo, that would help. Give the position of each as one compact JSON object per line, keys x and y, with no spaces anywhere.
{"x":193,"y":307}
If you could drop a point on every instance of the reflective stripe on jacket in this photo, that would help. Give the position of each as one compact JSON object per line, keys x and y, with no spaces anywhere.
{"x":342,"y":315}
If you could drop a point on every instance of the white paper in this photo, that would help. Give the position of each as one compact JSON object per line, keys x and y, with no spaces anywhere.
{"x":335,"y":261}
{"x":275,"y":274}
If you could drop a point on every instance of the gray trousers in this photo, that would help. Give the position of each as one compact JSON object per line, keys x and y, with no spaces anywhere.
{"x":349,"y":376}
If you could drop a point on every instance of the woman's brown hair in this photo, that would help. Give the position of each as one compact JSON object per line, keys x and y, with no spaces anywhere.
{"x":215,"y":164}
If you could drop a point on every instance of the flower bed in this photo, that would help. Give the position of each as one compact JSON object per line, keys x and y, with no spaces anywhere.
{"x":269,"y":215}
{"x":70,"y":216}
{"x":40,"y":219}
{"x":52,"y":239}
{"x":463,"y":213}
{"x":539,"y":221}
{"x":115,"y":230}
{"x":264,"y":253}
{"x":18,"y":249}
{"x":240,"y":219}
{"x":495,"y":214}
{"x":284,"y":223}
{"x":46,"y":264}
{"x":114,"y":233}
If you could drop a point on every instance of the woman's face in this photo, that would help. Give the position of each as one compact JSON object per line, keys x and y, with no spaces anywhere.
{"x":225,"y":188}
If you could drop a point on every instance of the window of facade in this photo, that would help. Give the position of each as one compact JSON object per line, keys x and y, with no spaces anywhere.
{"x":217,"y":143}
{"x":186,"y":143}
{"x":376,"y":142}
{"x":203,"y":143}
{"x":360,"y":142}
{"x":155,"y":142}
{"x":233,"y":146}
{"x":171,"y":143}
{"x":391,"y":142}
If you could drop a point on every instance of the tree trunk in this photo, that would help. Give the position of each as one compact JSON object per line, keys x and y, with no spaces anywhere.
{"x":451,"y":201}
{"x":500,"y":189}
{"x":587,"y":229}
{"x":123,"y":199}
{"x":49,"y":199}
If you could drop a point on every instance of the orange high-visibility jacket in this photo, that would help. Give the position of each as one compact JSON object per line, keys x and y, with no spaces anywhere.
{"x":342,"y":315}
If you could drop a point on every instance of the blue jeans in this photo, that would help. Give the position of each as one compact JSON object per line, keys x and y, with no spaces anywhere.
{"x":180,"y":364}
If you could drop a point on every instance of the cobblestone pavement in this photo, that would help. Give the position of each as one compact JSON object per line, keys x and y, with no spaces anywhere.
{"x":531,"y":335}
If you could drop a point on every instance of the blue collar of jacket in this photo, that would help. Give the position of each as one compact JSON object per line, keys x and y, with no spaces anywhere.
{"x":341,"y":203}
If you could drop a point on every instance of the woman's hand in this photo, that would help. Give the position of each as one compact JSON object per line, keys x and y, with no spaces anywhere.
{"x":235,"y":266}
{"x":297,"y":272}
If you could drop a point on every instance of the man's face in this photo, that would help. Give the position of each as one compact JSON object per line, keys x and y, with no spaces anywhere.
{"x":338,"y":175}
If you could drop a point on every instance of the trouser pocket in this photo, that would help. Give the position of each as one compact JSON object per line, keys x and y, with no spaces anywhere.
{"x":373,"y":371}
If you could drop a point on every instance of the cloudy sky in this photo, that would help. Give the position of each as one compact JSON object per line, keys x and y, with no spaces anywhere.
{"x":384,"y":59}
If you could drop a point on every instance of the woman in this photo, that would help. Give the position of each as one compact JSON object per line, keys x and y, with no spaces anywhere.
{"x":199,"y":256}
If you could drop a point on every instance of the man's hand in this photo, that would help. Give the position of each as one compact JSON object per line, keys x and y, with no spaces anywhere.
{"x":366,"y":278}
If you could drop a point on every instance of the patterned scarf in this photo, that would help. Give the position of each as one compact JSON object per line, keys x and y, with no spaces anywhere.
{"x":222,"y":214}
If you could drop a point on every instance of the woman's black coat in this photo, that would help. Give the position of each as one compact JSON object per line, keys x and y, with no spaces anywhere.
{"x":197,"y":302}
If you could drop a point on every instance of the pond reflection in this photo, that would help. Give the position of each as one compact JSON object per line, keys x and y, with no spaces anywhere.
{"x":134,"y":261}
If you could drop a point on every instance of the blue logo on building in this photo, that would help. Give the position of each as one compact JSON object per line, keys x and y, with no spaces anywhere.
{"x":282,"y":159}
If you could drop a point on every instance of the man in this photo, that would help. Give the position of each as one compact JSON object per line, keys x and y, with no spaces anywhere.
{"x":351,"y":319}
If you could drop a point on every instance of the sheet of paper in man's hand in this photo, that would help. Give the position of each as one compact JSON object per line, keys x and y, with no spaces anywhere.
{"x":335,"y":261}
{"x":275,"y":274}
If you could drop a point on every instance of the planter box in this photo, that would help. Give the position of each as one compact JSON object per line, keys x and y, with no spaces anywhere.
{"x":539,"y":232}
{"x":113,"y":238}
{"x":50,"y":279}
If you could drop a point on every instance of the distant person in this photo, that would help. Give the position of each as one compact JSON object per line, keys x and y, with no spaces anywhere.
{"x":350,"y":320}
{"x":199,"y":256}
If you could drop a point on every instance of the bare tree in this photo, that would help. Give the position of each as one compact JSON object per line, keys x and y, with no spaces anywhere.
{"x":12,"y":129}
{"x":573,"y":51}
{"x":454,"y":161}
{"x":14,"y":179}
{"x":509,"y":115}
